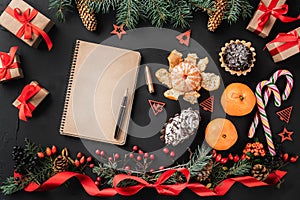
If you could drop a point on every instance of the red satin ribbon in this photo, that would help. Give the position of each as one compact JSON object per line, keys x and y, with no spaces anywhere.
{"x":172,"y":190}
{"x":277,"y":12}
{"x":199,"y":189}
{"x":289,"y":40}
{"x":25,"y":107}
{"x":7,"y":62}
{"x":27,"y":29}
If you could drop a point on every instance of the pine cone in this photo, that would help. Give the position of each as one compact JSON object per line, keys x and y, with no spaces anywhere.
{"x":88,"y":16}
{"x":205,"y":172}
{"x":260,"y":172}
{"x":216,"y":17}
{"x":60,"y":164}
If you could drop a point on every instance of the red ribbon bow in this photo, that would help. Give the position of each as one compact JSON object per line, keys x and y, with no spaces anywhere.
{"x":277,"y":12}
{"x":7,"y":62}
{"x":27,"y":29}
{"x":289,"y":40}
{"x":26,"y":108}
{"x":172,"y":190}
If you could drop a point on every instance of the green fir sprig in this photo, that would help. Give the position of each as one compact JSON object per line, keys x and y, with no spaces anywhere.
{"x":61,"y":7}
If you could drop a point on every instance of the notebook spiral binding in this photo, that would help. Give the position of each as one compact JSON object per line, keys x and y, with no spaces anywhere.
{"x":70,"y":79}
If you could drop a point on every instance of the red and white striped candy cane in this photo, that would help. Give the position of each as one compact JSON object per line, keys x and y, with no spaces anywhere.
{"x":261,"y":105}
{"x":267,"y":94}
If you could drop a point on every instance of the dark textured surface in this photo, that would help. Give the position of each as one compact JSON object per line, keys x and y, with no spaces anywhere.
{"x":51,"y":69}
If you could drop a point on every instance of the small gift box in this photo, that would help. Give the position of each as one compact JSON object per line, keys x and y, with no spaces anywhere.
{"x":266,"y":14}
{"x":26,"y":23}
{"x":285,"y":45}
{"x":10,"y":65}
{"x":31,"y":96}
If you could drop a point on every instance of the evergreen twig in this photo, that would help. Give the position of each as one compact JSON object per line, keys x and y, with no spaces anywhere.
{"x":61,"y":7}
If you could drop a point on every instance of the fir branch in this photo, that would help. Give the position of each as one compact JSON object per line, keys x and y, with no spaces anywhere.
{"x":240,"y":168}
{"x":103,"y":6}
{"x":181,"y":13}
{"x":199,"y":160}
{"x":237,"y":9}
{"x":157,"y":12}
{"x":203,"y":5}
{"x":61,"y":7}
{"x":30,"y":147}
{"x":128,"y":13}
{"x":11,"y":186}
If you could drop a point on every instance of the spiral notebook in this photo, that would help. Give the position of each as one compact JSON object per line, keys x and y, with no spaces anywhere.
{"x":98,"y":77}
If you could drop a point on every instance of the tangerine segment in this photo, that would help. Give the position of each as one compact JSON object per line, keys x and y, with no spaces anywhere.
{"x":238,"y":99}
{"x":221,"y":134}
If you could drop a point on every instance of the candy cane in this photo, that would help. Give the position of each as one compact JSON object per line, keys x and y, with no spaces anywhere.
{"x":261,"y":105}
{"x":267,"y":94}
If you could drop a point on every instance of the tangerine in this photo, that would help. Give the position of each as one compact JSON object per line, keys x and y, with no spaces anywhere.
{"x":238,"y":99}
{"x":221,"y":134}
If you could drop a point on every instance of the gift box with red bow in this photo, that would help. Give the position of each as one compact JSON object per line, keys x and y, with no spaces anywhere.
{"x":285,"y":45}
{"x":31,"y":96}
{"x":267,"y":13}
{"x":10,"y":65}
{"x":26,"y":23}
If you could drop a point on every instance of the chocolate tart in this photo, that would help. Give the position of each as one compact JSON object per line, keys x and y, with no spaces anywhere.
{"x":237,"y":57}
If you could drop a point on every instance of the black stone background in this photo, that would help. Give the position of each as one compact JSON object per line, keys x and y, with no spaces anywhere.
{"x":51,"y":69}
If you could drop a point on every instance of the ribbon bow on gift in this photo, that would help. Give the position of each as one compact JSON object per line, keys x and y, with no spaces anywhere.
{"x":161,"y":188}
{"x":277,"y":12}
{"x":27,"y":29}
{"x":26,"y":108}
{"x":289,"y":40}
{"x":7,"y":62}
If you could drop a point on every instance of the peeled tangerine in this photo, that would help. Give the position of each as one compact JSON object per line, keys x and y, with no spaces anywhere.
{"x":238,"y":99}
{"x":221,"y":134}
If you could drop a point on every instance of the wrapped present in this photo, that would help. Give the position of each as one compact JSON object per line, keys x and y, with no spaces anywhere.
{"x":285,"y":45}
{"x":265,"y":16}
{"x":10,"y":65}
{"x":31,"y":96}
{"x":26,"y":23}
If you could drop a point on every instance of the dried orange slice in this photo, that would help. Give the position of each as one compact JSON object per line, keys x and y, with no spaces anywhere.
{"x":221,"y":134}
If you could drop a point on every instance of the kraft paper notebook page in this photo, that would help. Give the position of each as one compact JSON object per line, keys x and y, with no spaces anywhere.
{"x":98,"y":80}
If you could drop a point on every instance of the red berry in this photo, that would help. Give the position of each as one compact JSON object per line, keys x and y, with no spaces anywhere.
{"x":141,"y":152}
{"x":243,"y":157}
{"x":219,"y":157}
{"x":166,"y":150}
{"x":53,"y":149}
{"x":214,"y":154}
{"x":89,"y":159}
{"x":161,"y":168}
{"x":40,"y":154}
{"x":236,"y":158}
{"x":131,"y":155}
{"x":285,"y":157}
{"x":117,"y":156}
{"x":139,"y":158}
{"x":82,"y":160}
{"x":146,"y":155}
{"x":152,"y":157}
{"x":172,"y":153}
{"x":230,"y":156}
{"x":79,"y":155}
{"x":98,"y":152}
{"x":127,"y":168}
{"x":294,"y":159}
{"x":135,"y":148}
{"x":110,"y":158}
{"x":102,"y":153}
{"x":223,"y":160}
{"x":99,"y":178}
{"x":48,"y":151}
{"x":96,"y":183}
{"x":77,"y":163}
{"x":92,"y":165}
